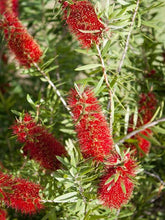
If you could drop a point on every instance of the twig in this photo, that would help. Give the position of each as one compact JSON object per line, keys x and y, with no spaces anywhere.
{"x":81,"y":190}
{"x":156,"y":176}
{"x":140,"y":129}
{"x":108,"y":86}
{"x":54,"y":87}
{"x":128,"y":38}
{"x":117,"y":214}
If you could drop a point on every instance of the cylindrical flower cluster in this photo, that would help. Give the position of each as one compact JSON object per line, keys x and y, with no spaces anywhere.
{"x":116,"y":186}
{"x":147,"y":106}
{"x":21,"y":43}
{"x":40,"y":145}
{"x":20,"y":194}
{"x":83,"y":22}
{"x":92,"y":129}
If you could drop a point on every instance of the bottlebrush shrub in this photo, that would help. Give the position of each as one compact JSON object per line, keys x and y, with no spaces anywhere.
{"x":9,"y":6}
{"x":116,"y":186}
{"x":90,"y":124}
{"x":20,"y":41}
{"x":20,"y":194}
{"x":40,"y":145}
{"x":3,"y":214}
{"x":83,"y":22}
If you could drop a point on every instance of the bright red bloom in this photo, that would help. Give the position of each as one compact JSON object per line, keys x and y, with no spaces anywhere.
{"x":9,"y":6}
{"x":20,"y":41}
{"x":3,"y":214}
{"x":40,"y":145}
{"x":144,"y":144}
{"x":83,"y":22}
{"x":20,"y":194}
{"x":118,"y":191}
{"x":91,"y":126}
{"x":147,"y":107}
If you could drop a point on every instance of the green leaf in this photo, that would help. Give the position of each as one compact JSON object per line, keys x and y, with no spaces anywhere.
{"x":149,"y":24}
{"x":62,"y":160}
{"x":122,"y":2}
{"x":158,"y":129}
{"x":16,"y":112}
{"x":139,"y":21}
{"x":112,"y":83}
{"x":87,"y":67}
{"x":90,"y":178}
{"x":86,"y":52}
{"x":68,"y":197}
{"x":106,"y":48}
{"x":117,"y":149}
{"x":116,"y":177}
{"x":110,"y":179}
{"x":46,"y":64}
{"x":89,"y":31}
{"x":123,"y":187}
{"x":29,"y":99}
{"x":97,"y":89}
{"x":109,"y":187}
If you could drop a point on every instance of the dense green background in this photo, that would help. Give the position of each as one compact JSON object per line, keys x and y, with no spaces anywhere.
{"x":28,"y":91}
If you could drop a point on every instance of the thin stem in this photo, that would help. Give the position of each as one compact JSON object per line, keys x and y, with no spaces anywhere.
{"x":117,"y":214}
{"x":54,"y":87}
{"x":81,"y":190}
{"x":108,"y":86}
{"x":140,"y":129}
{"x":155,"y":176}
{"x":128,"y":38}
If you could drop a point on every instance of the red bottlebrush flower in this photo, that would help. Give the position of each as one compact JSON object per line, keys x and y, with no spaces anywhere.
{"x":142,"y":146}
{"x":151,"y":73}
{"x":91,"y":126}
{"x":20,"y":41}
{"x":147,"y":107}
{"x":116,"y":185}
{"x":20,"y":194}
{"x":3,"y":214}
{"x":40,"y":145}
{"x":9,"y":6}
{"x":83,"y":22}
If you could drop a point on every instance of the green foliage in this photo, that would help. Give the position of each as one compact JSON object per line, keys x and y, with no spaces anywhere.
{"x":70,"y":193}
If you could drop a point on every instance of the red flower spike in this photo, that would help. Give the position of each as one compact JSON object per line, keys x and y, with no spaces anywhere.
{"x":90,"y":124}
{"x":20,"y":41}
{"x":147,"y":107}
{"x":83,"y":22}
{"x":20,"y":194}
{"x":116,"y":186}
{"x":40,"y":145}
{"x":9,"y":6}
{"x":3,"y":214}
